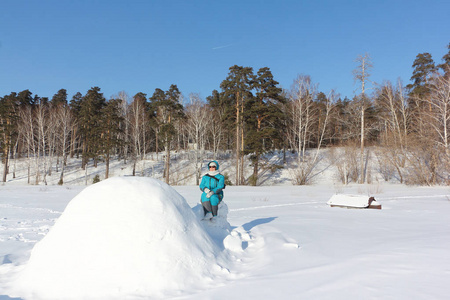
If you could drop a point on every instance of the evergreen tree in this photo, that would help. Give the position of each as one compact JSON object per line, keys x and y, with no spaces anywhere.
{"x":168,"y":110}
{"x":60,"y":98}
{"x":262,"y":114}
{"x":214,"y":99}
{"x":24,"y":98}
{"x":423,"y":68}
{"x":90,"y":119}
{"x":75,"y":104}
{"x":445,"y":66}
{"x":236,"y":89}
{"x":75,"y":108}
{"x":156,"y":116}
{"x":111,"y":135}
{"x":8,"y":127}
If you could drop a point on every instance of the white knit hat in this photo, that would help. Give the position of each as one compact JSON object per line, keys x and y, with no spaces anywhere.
{"x":212,"y":164}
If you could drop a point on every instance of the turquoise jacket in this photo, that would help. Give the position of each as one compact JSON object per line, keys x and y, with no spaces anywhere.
{"x":215,"y":183}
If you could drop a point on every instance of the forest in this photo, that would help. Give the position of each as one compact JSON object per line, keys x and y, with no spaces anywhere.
{"x":404,"y":129}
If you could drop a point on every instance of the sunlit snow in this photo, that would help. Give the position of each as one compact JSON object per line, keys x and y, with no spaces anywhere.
{"x":137,"y":238}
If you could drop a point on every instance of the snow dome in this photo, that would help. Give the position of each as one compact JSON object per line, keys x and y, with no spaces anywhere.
{"x":122,"y":236}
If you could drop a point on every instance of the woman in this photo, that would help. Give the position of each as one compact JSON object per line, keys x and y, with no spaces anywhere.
{"x":212,"y":185}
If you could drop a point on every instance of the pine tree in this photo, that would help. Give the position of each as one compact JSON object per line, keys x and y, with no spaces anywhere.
{"x":423,"y":68}
{"x":261,"y":114}
{"x":155,"y":116}
{"x":91,"y":124}
{"x":445,"y":66}
{"x":8,"y":128}
{"x":237,"y":89}
{"x":75,"y":108}
{"x":24,"y":98}
{"x":111,"y":132}
{"x":75,"y":103}
{"x":60,"y":98}
{"x":168,"y":109}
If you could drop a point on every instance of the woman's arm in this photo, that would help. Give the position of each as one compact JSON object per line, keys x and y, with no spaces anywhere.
{"x":220,"y":184}
{"x":202,"y":184}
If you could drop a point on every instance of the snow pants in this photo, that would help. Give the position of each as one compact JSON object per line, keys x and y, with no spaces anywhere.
{"x":207,"y":207}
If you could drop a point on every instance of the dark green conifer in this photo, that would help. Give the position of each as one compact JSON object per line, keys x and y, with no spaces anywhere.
{"x":262,"y":114}
{"x":90,"y":122}
{"x":423,"y":68}
{"x":60,"y":98}
{"x":111,"y":133}
{"x":8,"y":128}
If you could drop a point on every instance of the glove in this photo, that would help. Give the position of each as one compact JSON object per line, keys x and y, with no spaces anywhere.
{"x":209,"y":194}
{"x":206,"y":190}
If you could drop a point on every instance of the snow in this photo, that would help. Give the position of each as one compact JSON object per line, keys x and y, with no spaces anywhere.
{"x":125,"y":236}
{"x":357,"y":201}
{"x":123,"y":239}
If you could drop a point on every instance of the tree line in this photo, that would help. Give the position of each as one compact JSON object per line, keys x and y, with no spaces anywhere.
{"x":404,"y":129}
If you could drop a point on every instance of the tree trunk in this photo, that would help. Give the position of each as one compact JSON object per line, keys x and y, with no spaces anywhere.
{"x":86,"y":173}
{"x":255,"y":170}
{"x":242,"y":154}
{"x":238,"y":154}
{"x":61,"y":177}
{"x":167,"y":175}
{"x":5,"y":167}
{"x":107,"y":165}
{"x":197,"y":166}
{"x":363,"y":176}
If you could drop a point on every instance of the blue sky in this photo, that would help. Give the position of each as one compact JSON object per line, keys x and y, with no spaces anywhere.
{"x":137,"y":46}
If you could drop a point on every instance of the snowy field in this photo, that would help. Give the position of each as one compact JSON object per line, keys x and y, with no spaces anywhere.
{"x":284,"y":242}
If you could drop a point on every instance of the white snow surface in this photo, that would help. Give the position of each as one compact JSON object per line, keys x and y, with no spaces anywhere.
{"x":137,"y":238}
{"x":125,"y":236}
{"x":358,"y":201}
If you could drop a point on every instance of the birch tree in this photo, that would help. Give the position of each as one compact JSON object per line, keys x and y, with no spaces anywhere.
{"x":439,"y":101}
{"x":26,"y":127}
{"x":137,"y":126}
{"x":42,"y":117}
{"x":198,"y":121}
{"x":303,"y":112}
{"x":394,"y":115}
{"x":66,"y":124}
{"x":362,"y":74}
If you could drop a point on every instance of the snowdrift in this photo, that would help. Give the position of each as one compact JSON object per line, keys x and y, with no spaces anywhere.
{"x":125,"y":236}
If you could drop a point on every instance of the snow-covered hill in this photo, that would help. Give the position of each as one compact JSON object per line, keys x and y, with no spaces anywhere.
{"x":275,"y":168}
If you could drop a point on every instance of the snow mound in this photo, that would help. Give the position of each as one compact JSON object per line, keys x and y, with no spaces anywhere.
{"x":123,"y":237}
{"x":219,"y":228}
{"x":357,"y":201}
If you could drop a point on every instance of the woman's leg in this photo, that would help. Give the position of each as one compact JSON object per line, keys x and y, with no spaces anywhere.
{"x":214,"y":204}
{"x":207,"y":207}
